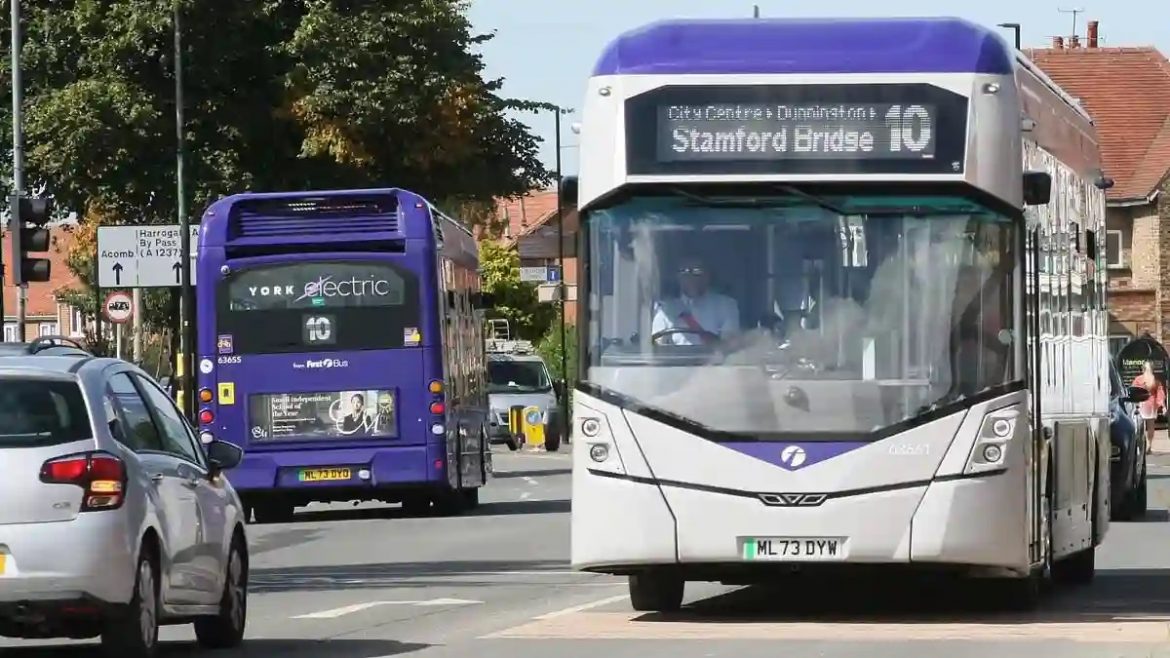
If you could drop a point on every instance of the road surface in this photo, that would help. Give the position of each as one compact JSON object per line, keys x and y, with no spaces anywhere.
{"x":371,"y":583}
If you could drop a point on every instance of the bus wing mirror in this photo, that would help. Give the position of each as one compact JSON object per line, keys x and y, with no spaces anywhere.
{"x":1037,"y":188}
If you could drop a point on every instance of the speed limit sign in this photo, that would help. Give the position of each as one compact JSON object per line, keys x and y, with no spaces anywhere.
{"x":118,"y":307}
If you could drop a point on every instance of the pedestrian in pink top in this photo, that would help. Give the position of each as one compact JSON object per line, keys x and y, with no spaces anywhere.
{"x":1154,"y":405}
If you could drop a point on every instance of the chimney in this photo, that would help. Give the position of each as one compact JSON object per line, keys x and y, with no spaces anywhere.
{"x":1058,"y":43}
{"x":1093,"y":33}
{"x":1074,"y":41}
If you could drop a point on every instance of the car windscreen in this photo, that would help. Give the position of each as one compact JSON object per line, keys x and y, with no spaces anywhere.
{"x":507,"y":376}
{"x":319,"y":306}
{"x":36,"y":412}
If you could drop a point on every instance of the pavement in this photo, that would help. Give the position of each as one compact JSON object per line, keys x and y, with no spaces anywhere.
{"x":369,"y":582}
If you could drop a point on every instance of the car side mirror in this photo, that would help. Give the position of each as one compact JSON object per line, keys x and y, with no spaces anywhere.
{"x":223,"y":456}
{"x":1137,"y":394}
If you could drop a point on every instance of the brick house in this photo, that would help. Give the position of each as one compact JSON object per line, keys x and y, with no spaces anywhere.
{"x":44,"y":315}
{"x":1127,"y":92}
{"x":531,"y":226}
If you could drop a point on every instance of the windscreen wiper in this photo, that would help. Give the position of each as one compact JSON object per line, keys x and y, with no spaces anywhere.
{"x":741,"y":202}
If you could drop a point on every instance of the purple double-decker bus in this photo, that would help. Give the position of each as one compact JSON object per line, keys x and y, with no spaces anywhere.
{"x":340,"y":344}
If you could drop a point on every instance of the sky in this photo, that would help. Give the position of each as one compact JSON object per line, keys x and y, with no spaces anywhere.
{"x":545,"y":49}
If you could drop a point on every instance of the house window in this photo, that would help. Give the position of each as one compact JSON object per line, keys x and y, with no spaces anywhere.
{"x":1116,"y":342}
{"x":48,"y":329}
{"x":9,"y":332}
{"x":1113,"y":249}
{"x":76,"y":322}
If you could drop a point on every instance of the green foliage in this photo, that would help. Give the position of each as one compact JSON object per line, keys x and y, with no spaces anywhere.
{"x":549,"y":348}
{"x":278,"y":94}
{"x":515,"y":301}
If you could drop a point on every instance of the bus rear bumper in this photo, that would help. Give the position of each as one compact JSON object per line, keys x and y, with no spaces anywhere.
{"x":342,"y":474}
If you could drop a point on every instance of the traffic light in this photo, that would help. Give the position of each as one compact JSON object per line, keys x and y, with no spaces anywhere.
{"x":29,"y":235}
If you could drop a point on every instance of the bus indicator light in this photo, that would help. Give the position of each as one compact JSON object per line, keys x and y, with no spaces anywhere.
{"x":205,"y":395}
{"x":436,"y":387}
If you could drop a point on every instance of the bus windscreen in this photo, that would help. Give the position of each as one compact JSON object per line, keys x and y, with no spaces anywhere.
{"x":319,"y":306}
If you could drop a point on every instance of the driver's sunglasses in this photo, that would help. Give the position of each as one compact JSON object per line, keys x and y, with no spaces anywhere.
{"x":692,"y":271}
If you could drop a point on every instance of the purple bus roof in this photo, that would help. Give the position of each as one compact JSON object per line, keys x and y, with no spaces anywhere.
{"x":217,"y":215}
{"x":862,"y":45}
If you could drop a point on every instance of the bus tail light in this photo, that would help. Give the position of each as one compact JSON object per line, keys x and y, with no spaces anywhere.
{"x":101,"y":475}
{"x":991,"y":447}
{"x":438,"y":464}
{"x":437,"y":408}
{"x":206,"y":416}
{"x":206,"y":396}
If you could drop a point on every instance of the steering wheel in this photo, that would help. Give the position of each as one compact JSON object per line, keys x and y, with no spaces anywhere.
{"x":683,"y":330}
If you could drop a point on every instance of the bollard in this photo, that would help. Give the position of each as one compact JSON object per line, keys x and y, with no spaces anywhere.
{"x":533,"y":428}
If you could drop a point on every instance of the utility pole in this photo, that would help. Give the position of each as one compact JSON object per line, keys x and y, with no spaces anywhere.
{"x":183,"y":359}
{"x":17,"y":158}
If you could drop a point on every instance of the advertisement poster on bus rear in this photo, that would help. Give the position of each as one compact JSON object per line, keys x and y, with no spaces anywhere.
{"x":323,"y":415}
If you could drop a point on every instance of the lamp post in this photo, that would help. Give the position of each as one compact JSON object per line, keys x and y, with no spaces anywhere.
{"x":186,"y":327}
{"x":557,"y":112}
{"x":1014,"y":27}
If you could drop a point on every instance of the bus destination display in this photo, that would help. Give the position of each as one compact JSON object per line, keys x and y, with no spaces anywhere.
{"x":796,"y":131}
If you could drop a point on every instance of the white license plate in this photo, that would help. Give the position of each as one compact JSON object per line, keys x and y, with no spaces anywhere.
{"x":808,"y":549}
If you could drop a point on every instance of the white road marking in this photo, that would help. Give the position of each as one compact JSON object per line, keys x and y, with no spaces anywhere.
{"x":526,"y":495}
{"x":334,"y":613}
{"x":449,"y":602}
{"x":530,"y":480}
{"x":585,"y":606}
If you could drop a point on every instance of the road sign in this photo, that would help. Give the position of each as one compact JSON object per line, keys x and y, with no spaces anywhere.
{"x":554,"y":274}
{"x":142,"y":256}
{"x":118,"y":307}
{"x":534,"y":274}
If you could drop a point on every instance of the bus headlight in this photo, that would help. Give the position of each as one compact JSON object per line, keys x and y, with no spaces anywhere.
{"x":991,"y":446}
{"x":992,"y":453}
{"x":590,"y":427}
{"x":599,"y":452}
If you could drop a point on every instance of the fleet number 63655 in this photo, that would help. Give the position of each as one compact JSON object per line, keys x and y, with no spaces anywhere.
{"x":227,"y":360}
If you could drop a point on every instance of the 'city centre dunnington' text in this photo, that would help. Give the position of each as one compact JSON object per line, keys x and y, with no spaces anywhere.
{"x":798,"y":138}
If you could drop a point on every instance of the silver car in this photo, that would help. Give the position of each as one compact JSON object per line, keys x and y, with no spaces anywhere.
{"x":114,"y":517}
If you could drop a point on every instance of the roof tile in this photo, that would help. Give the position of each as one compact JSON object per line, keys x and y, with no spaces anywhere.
{"x":1127,"y":92}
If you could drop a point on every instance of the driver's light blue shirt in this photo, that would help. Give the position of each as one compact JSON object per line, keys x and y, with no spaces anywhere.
{"x":716,"y":313}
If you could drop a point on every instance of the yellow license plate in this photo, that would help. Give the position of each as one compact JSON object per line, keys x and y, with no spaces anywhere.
{"x":3,"y":562}
{"x":325,"y":474}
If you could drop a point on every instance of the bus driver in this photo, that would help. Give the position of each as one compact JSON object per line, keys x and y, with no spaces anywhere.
{"x":707,"y":316}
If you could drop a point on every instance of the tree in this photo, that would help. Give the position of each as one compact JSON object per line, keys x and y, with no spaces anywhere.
{"x":298,"y":94}
{"x":515,"y":300}
{"x":392,"y":91}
